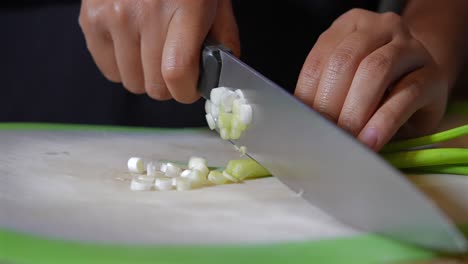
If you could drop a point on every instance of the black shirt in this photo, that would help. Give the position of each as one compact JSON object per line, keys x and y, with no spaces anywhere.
{"x":47,"y":74}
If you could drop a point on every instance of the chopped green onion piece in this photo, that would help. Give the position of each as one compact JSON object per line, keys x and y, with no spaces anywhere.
{"x":243,"y":150}
{"x":427,"y":157}
{"x":237,"y":124}
{"x":196,"y":161}
{"x":210,"y":121}
{"x":172,"y":170}
{"x":197,"y":178}
{"x":208,"y":105}
{"x":185,"y":173}
{"x":246,"y":168}
{"x":217,"y":177}
{"x":239,"y":93}
{"x":216,"y":95}
{"x":228,"y":176}
{"x":426,"y":140}
{"x":245,"y":113}
{"x":214,"y":111}
{"x":201,"y":168}
{"x":224,"y":133}
{"x":136,"y":165}
{"x":227,"y":98}
{"x":235,"y":133}
{"x":224,"y":120}
{"x":153,"y":169}
{"x":236,"y":105}
{"x":183,"y":184}
{"x":141,"y":183}
{"x":163,"y":184}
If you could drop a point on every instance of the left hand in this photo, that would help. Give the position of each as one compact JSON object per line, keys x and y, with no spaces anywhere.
{"x":370,"y":75}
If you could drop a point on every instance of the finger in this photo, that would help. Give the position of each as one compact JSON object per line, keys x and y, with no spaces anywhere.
{"x":152,"y":43}
{"x":373,"y":78}
{"x":128,"y":54}
{"x":225,"y":29}
{"x":341,"y":67}
{"x":180,"y":65}
{"x":309,"y":77}
{"x":409,"y":96}
{"x":100,"y":45}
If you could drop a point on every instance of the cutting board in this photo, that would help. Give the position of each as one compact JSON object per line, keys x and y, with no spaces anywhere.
{"x":70,"y":184}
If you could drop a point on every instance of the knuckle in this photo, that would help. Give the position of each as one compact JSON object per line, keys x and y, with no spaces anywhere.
{"x":350,"y":121}
{"x":353,"y":13}
{"x":89,"y":16}
{"x":376,"y":63}
{"x":391,"y":17}
{"x":176,"y":68}
{"x":148,"y":7}
{"x":119,"y":12}
{"x":157,"y":91}
{"x":173,"y":73}
{"x":134,"y":87}
{"x":341,"y":59}
{"x":356,"y":12}
{"x":389,"y":116}
{"x":413,"y":87}
{"x":395,"y":22}
{"x":323,"y":37}
{"x":310,"y":73}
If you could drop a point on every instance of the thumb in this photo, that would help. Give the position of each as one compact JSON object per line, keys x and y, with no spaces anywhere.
{"x":225,"y":29}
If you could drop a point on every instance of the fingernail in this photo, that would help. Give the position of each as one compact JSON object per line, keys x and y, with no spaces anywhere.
{"x":369,"y":137}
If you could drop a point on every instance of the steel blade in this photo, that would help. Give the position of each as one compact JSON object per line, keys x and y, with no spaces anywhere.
{"x":331,"y":169}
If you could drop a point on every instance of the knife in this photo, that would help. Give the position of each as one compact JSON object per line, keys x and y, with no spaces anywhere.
{"x":327,"y":166}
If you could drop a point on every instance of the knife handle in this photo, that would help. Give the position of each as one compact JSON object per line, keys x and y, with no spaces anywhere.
{"x":210,"y":67}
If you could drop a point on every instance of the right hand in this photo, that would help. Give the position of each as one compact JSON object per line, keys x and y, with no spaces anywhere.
{"x":154,"y":46}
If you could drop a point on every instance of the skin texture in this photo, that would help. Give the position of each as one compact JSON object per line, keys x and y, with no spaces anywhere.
{"x":377,"y":76}
{"x":380,"y":76}
{"x":369,"y":74}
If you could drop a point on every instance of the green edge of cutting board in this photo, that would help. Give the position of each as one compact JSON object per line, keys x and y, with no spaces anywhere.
{"x":17,"y":247}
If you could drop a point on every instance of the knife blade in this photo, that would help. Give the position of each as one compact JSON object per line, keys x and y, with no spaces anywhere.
{"x":330,"y":168}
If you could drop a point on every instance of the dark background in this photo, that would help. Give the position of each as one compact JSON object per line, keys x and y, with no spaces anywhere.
{"x":47,"y":74}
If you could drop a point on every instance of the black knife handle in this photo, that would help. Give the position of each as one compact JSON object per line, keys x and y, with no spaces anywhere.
{"x":210,"y":67}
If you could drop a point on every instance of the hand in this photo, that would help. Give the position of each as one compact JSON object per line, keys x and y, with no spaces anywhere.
{"x":369,"y":74}
{"x":154,"y":46}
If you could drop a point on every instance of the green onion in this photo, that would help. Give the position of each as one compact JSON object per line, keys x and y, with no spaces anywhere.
{"x":459,"y":169}
{"x":426,"y":140}
{"x":237,"y":124}
{"x":224,"y":120}
{"x":246,"y":169}
{"x":217,"y":177}
{"x":427,"y":157}
{"x":235,"y":133}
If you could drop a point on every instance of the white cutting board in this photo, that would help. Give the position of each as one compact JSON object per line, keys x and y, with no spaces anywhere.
{"x":75,"y":185}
